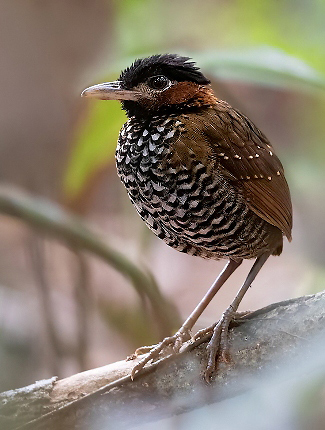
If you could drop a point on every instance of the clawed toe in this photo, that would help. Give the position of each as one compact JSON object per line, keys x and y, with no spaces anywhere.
{"x":170,"y":345}
{"x":218,"y":346}
{"x":140,"y":351}
{"x":204,"y":333}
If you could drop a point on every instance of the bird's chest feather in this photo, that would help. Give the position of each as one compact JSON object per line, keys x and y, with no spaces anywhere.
{"x":142,"y":158}
{"x":165,"y":180}
{"x":159,"y":175}
{"x":186,"y":201}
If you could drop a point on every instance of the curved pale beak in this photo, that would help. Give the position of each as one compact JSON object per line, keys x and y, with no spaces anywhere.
{"x":110,"y":91}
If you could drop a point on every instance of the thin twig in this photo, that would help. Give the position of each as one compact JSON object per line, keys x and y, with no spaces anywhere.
{"x":83,"y":302}
{"x":38,"y":262}
{"x":52,"y":219}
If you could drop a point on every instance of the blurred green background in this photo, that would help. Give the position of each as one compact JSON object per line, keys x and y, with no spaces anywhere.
{"x":63,"y":310}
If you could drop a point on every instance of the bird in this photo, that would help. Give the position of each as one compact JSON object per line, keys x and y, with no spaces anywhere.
{"x":202,"y":177}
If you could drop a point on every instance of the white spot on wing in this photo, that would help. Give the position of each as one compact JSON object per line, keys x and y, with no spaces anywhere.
{"x":170,"y":134}
{"x":157,"y":186}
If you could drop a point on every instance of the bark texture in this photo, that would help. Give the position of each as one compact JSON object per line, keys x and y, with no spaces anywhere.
{"x":175,"y":384}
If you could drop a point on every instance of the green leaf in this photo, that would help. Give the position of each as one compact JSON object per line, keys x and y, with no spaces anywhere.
{"x":264,"y":66}
{"x":94,"y":146}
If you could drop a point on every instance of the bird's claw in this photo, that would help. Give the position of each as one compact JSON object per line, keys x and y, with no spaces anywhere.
{"x":218,"y":346}
{"x":168,"y":346}
{"x":202,"y":334}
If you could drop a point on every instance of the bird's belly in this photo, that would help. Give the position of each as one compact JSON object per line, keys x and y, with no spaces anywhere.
{"x":191,"y":210}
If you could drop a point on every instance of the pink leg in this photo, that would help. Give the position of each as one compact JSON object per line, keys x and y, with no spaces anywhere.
{"x":183,"y":334}
{"x":218,"y":345}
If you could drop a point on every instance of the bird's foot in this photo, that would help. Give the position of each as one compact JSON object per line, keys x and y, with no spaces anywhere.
{"x":218,"y":345}
{"x":205,"y":333}
{"x":168,"y":346}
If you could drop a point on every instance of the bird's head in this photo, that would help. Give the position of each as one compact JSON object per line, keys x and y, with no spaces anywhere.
{"x":160,"y":83}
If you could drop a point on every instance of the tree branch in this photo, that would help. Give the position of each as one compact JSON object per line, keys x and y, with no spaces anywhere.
{"x":173,"y":384}
{"x":53,"y":220}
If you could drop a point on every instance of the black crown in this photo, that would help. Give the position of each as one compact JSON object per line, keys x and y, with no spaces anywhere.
{"x":172,"y":66}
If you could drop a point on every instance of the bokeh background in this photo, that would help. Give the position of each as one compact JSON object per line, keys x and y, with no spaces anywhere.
{"x":63,"y":309}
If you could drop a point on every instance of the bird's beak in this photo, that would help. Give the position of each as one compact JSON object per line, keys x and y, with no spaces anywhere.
{"x":110,"y":91}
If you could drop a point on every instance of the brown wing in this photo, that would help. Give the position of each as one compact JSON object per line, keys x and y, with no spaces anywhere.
{"x":245,"y":155}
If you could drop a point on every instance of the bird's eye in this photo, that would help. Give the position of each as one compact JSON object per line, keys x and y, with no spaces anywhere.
{"x":159,"y":82}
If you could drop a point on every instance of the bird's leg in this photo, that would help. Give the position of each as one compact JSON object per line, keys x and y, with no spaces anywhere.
{"x":184,"y":333}
{"x":218,"y":346}
{"x":205,"y":332}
